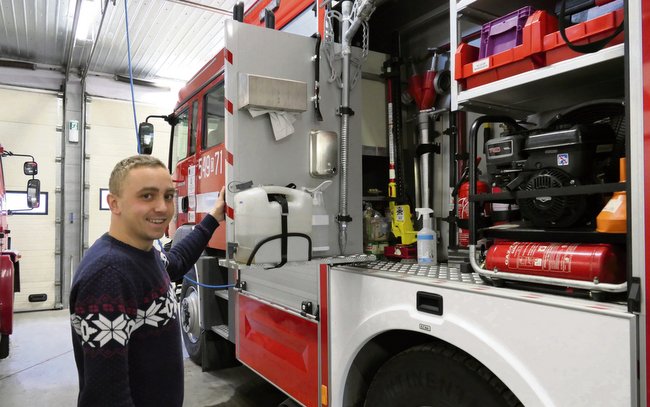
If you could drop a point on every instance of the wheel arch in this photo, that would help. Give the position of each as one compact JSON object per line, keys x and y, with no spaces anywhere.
{"x":378,"y":349}
{"x":371,"y":356}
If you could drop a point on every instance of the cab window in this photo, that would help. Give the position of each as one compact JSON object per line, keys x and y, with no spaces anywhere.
{"x":214,"y":123}
{"x":194,"y":129}
{"x":180,"y":136}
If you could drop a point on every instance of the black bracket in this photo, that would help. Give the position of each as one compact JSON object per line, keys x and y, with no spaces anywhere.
{"x":341,"y":110}
{"x":306,"y":307}
{"x":634,"y":295}
{"x":427,"y":148}
{"x":346,"y":218}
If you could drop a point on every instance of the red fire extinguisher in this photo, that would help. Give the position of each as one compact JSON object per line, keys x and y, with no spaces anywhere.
{"x":461,"y":194}
{"x":575,"y":261}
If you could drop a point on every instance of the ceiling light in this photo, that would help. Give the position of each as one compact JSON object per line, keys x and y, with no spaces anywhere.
{"x":90,"y":10}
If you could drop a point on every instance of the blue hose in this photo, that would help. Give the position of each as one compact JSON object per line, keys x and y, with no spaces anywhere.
{"x":216,"y":287}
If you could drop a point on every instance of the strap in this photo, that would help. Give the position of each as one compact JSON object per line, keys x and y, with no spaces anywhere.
{"x":282,"y":200}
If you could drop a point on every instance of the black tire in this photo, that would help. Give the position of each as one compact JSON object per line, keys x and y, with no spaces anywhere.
{"x":189,"y":319}
{"x":435,"y":375}
{"x":205,"y":348}
{"x":4,"y":346}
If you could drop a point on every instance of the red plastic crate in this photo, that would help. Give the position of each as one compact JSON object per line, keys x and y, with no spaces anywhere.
{"x":472,"y":72}
{"x":590,"y":31}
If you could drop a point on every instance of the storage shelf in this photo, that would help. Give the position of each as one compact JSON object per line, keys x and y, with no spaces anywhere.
{"x":526,"y":233}
{"x":587,"y":77}
{"x":487,"y":10}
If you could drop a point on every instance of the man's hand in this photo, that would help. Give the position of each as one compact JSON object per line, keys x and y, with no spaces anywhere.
{"x":218,"y":211}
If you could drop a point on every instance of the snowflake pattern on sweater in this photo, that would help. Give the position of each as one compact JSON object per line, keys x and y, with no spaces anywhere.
{"x":96,"y":330}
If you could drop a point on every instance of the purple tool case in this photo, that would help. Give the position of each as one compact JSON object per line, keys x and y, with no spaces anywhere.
{"x":503,"y":33}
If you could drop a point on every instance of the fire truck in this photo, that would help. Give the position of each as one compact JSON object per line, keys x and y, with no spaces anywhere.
{"x":9,"y":259}
{"x":522,"y":125}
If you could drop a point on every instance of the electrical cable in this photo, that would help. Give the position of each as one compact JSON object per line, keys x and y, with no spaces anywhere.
{"x":128,"y":52}
{"x":217,"y":287}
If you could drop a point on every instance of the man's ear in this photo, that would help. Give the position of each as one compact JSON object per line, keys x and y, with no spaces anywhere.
{"x":113,"y":204}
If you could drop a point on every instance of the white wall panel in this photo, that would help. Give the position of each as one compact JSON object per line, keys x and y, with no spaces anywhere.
{"x":111,"y":137}
{"x":29,"y":127}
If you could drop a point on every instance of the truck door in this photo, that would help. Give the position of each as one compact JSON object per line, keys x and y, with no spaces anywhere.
{"x":184,"y":164}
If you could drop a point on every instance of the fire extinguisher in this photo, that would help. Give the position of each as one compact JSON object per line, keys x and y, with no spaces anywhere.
{"x":600,"y":262}
{"x":461,"y":193}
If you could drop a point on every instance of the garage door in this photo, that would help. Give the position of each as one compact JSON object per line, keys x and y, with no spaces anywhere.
{"x":28,"y":126}
{"x":111,"y":137}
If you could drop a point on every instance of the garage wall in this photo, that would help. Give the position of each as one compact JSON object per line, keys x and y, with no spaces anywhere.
{"x":28,"y":126}
{"x":111,"y":137}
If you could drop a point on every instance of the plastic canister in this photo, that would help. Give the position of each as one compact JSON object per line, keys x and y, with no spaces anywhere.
{"x":426,"y":238}
{"x":255,"y":219}
{"x":320,"y":223}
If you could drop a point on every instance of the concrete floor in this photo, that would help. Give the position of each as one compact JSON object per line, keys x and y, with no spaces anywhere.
{"x":40,"y":371}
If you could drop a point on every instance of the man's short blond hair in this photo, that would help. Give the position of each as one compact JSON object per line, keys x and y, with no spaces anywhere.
{"x":122,"y":168}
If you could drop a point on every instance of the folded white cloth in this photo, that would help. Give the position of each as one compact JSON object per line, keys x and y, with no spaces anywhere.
{"x":281,"y":121}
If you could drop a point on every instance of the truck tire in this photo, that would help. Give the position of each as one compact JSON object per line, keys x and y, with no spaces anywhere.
{"x":189,"y":318}
{"x":437,"y":374}
{"x":4,"y":346}
{"x":205,"y":348}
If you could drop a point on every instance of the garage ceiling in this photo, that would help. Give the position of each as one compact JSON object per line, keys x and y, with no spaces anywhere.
{"x":170,"y":39}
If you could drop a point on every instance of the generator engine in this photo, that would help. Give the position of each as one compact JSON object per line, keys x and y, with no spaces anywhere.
{"x":535,"y":160}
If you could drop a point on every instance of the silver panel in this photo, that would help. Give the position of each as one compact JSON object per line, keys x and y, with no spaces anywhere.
{"x":257,"y":156}
{"x":263,"y":92}
{"x":323,"y":153}
{"x":287,"y":286}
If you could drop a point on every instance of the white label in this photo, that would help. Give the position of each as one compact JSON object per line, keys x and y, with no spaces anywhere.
{"x":399,"y":213}
{"x":191,"y":181}
{"x":563,"y":159}
{"x":73,"y":131}
{"x":320,"y":220}
{"x":480,"y":65}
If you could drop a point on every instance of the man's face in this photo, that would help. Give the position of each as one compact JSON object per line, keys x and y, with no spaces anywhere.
{"x":144,"y":208}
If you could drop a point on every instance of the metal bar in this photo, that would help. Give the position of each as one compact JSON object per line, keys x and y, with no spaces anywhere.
{"x":586,"y":285}
{"x":202,"y":7}
{"x":92,"y":50}
{"x":559,"y":191}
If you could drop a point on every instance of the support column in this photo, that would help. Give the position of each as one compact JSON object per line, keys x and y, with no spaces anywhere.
{"x":71,"y":215}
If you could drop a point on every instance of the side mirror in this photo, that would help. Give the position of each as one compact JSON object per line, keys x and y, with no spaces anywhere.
{"x":30,"y":168}
{"x":33,"y":193}
{"x":145,"y":131}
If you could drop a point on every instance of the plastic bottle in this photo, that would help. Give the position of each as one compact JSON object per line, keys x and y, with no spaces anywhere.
{"x":426,"y":238}
{"x":613,"y":217}
{"x":320,"y":231}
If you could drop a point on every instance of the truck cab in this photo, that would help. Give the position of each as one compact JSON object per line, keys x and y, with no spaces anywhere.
{"x":9,"y":259}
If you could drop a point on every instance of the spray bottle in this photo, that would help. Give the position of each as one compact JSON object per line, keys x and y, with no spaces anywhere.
{"x":426,"y":238}
{"x":320,"y":219}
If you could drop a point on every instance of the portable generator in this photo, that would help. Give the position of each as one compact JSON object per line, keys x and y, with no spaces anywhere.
{"x":569,"y":156}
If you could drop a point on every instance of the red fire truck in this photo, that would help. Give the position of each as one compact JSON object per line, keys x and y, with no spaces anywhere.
{"x":541,"y":303}
{"x":9,"y":259}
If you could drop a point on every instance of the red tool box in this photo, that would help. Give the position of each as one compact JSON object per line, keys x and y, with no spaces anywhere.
{"x":590,"y":31}
{"x":471,"y":72}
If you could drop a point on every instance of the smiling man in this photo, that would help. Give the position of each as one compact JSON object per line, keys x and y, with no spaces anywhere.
{"x":125,"y":330}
